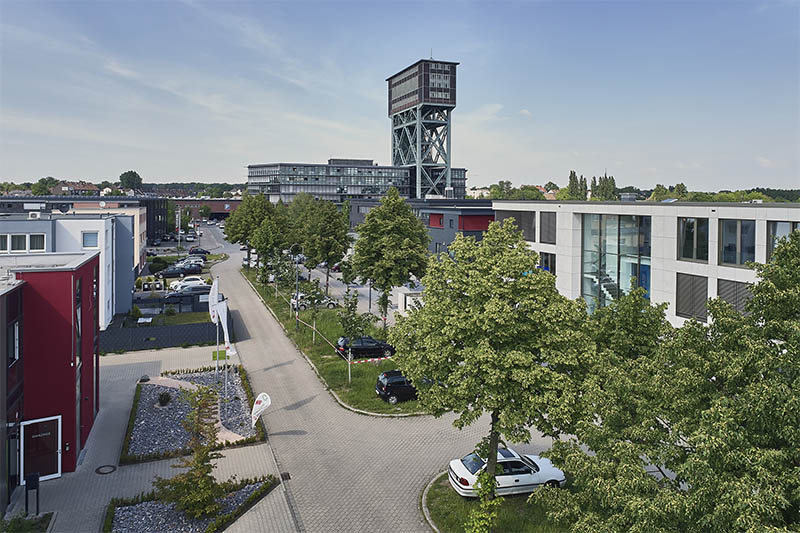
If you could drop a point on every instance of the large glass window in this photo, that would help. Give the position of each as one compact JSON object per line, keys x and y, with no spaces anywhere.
{"x":737,"y":241}
{"x":693,"y":239}
{"x":775,"y":232}
{"x":19,"y":243}
{"x":548,"y":262}
{"x":616,"y":250}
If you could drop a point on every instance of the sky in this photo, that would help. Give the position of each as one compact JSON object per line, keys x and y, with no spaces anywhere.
{"x":704,"y":93}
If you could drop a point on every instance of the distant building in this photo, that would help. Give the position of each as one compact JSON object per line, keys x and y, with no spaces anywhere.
{"x":220,"y":208}
{"x":478,"y":192}
{"x":74,"y":188}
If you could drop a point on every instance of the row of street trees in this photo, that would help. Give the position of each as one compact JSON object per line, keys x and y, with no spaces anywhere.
{"x":712,"y":409}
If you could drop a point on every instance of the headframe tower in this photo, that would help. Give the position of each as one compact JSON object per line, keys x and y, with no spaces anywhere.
{"x":421,"y":100}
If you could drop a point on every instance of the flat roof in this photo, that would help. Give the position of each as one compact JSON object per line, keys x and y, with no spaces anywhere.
{"x":422,"y":61}
{"x":323,"y":165}
{"x":22,"y":217}
{"x":792,"y":205}
{"x":8,"y":284}
{"x":52,"y":261}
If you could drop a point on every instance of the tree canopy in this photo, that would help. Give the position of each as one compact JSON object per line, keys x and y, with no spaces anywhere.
{"x":130,"y":180}
{"x":503,"y":190}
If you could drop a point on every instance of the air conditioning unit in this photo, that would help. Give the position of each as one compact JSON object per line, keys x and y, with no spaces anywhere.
{"x":34,"y":215}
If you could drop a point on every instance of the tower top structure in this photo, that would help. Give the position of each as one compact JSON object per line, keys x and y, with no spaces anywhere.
{"x":421,"y":98}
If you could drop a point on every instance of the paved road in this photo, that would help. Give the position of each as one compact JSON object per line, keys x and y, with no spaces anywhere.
{"x":349,"y":472}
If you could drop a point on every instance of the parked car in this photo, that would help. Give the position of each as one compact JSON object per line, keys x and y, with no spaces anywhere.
{"x":150,"y":253}
{"x":304,"y":304}
{"x":196,"y":250}
{"x":364,"y":346}
{"x":168,"y":237}
{"x":194,"y":259}
{"x":154,"y":242}
{"x":189,"y":264}
{"x":393,"y":387}
{"x":190,"y":238}
{"x":188,"y":291}
{"x":186,"y":282}
{"x":337,"y":267}
{"x":173,"y":272}
{"x":515,"y":474}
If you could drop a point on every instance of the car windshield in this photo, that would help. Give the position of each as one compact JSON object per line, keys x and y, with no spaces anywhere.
{"x":473,"y":463}
{"x":382,"y":379}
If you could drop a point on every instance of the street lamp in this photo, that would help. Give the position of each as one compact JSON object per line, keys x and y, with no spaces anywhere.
{"x":296,"y":287}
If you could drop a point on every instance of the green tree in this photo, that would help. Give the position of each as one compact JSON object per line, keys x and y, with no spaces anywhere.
{"x":577,"y":189}
{"x":326,"y":237}
{"x":660,"y":193}
{"x":550,"y":186}
{"x":40,"y":188}
{"x":130,"y":180}
{"x":205,"y":210}
{"x":105,"y":184}
{"x":489,"y":337}
{"x":680,"y":191}
{"x":500,"y":190}
{"x":526,"y":192}
{"x":245,"y":220}
{"x":196,"y":491}
{"x":711,"y":408}
{"x":392,"y":246}
{"x":354,"y":324}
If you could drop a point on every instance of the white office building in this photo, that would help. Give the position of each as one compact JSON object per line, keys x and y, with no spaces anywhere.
{"x":681,"y":253}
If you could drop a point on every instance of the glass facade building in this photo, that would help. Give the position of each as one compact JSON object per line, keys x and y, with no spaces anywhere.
{"x":615,"y":252}
{"x":339,"y":180}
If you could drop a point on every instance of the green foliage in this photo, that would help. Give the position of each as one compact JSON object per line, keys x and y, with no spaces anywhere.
{"x":392,"y":245}
{"x":493,"y":336}
{"x":659,"y":194}
{"x":550,"y":186}
{"x":245,"y":220}
{"x":712,"y":409}
{"x":326,"y":239}
{"x":205,"y":211}
{"x":138,"y":283}
{"x":164,"y":398}
{"x":135,"y":313}
{"x":576,"y":189}
{"x":503,"y":190}
{"x":130,"y":180}
{"x":196,"y":491}
{"x":41,"y":188}
{"x":605,"y":189}
{"x":124,"y":455}
{"x":223,"y":521}
{"x":482,"y":518}
{"x":353,"y":323}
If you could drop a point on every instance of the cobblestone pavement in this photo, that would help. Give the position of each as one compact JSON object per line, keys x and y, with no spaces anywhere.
{"x":80,"y":497}
{"x":349,"y":472}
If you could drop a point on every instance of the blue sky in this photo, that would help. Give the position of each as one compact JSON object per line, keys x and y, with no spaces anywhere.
{"x":655,"y":92}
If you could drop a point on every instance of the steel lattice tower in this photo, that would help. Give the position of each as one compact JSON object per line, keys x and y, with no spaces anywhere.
{"x":421,"y":100}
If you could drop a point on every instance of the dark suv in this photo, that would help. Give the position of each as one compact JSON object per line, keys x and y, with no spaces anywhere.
{"x":393,"y":387}
{"x":364,"y":346}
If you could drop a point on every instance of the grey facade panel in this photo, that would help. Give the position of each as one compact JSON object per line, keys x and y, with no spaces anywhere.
{"x":123,"y":261}
{"x":691,"y":296}
{"x":524,"y":220}
{"x":734,"y":292}
{"x":548,"y":227}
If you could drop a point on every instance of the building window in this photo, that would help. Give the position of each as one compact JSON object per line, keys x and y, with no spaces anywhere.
{"x":89,"y":239}
{"x":435,"y":220}
{"x":525,"y":220}
{"x":693,"y":239}
{"x":615,"y":251}
{"x":734,"y":292}
{"x":451,"y":223}
{"x":548,"y":231}
{"x":3,"y":243}
{"x":691,"y":296}
{"x":13,"y":342}
{"x":36,"y":242}
{"x":737,"y":242}
{"x":775,"y":232}
{"x":19,"y":243}
{"x":547,"y":261}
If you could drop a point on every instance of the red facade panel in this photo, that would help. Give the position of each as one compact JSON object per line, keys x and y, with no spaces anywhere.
{"x":436,"y":220}
{"x":474,"y":222}
{"x":50,"y":336}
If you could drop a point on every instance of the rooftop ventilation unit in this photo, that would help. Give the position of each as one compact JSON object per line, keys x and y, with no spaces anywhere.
{"x":34,"y":215}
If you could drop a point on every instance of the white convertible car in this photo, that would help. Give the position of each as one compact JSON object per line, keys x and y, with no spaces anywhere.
{"x":515,"y":474}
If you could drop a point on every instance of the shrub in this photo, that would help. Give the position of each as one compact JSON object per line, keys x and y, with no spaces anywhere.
{"x":209,"y":281}
{"x":164,"y":398}
{"x":136,"y":313}
{"x":138,"y":283}
{"x":170,"y":311}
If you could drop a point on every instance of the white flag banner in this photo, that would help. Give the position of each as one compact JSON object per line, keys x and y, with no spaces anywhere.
{"x":262,"y":402}
{"x":222,"y":314}
{"x":213,"y":296}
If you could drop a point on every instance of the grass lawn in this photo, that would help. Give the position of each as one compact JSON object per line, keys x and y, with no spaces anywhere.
{"x":184,"y":318}
{"x":361,"y":393}
{"x":25,"y":525}
{"x":449,"y":511}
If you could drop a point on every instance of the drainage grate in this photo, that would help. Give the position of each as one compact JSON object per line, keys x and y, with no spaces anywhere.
{"x":285,"y":476}
{"x":105,"y":469}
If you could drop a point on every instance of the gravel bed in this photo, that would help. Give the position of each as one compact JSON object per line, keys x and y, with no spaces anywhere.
{"x":146,"y":517}
{"x":159,"y":429}
{"x":236,"y":414}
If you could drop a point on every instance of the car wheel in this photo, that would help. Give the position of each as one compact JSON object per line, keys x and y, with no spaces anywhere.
{"x":552,"y":483}
{"x":302,"y":307}
{"x":331,"y":305}
{"x":393,"y":399}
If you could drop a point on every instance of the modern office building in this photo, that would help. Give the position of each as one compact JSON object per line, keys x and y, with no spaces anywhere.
{"x":442,"y":218}
{"x":110,"y":235}
{"x":51,"y":341}
{"x":11,"y":384}
{"x":681,"y":253}
{"x":421,"y":100}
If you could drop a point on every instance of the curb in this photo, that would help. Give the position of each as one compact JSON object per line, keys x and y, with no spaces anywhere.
{"x":52,"y":523}
{"x":319,"y":376}
{"x":424,"y":502}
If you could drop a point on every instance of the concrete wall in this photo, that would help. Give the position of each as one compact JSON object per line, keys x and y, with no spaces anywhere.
{"x":139,"y":215}
{"x":12,"y":227}
{"x":123,"y":258}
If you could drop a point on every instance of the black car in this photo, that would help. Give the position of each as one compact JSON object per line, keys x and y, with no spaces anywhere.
{"x":364,"y":346}
{"x":171,"y":272}
{"x":188,"y":291}
{"x":168,"y":237}
{"x":195,"y":250}
{"x":393,"y":387}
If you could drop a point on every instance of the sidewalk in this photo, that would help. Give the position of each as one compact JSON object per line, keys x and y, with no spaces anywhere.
{"x":80,"y":497}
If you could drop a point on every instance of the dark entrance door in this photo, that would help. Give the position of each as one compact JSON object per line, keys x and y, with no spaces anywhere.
{"x":41,"y":448}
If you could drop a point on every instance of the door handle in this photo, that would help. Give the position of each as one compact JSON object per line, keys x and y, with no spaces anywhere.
{"x":516,"y":481}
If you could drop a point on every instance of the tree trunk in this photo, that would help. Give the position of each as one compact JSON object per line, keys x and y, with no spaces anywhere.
{"x":327,"y":279}
{"x":314,"y":332}
{"x":491,"y":465}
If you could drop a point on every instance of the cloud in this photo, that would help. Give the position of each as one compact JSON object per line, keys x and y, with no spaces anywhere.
{"x":525,"y":113}
{"x":483,"y":114}
{"x":763,"y":162}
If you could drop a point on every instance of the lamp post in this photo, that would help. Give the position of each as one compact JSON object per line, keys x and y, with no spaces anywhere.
{"x":296,"y":287}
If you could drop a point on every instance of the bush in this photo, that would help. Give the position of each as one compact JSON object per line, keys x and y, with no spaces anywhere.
{"x":170,"y":311}
{"x":136,"y":313}
{"x":209,"y":281}
{"x":164,"y":398}
{"x":138,"y":283}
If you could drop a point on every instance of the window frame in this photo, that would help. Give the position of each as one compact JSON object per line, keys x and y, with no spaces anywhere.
{"x":695,"y":233}
{"x":83,"y":241}
{"x":11,"y":249}
{"x":4,"y":249}
{"x":793,"y":226}
{"x":44,"y":242}
{"x":720,"y":240}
